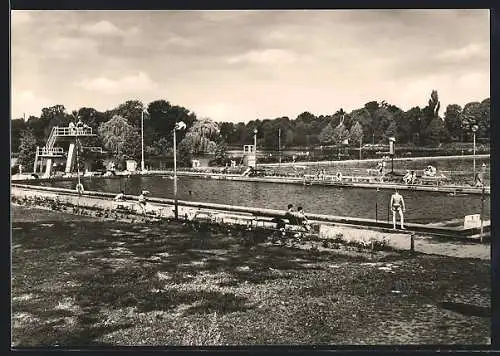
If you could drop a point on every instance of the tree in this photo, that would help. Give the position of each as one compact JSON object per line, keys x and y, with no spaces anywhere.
{"x":161,"y":118}
{"x":120,"y":138}
{"x":37,"y":126}
{"x":430,"y":112}
{"x":27,"y":149}
{"x":452,"y":120}
{"x":131,"y":110}
{"x":471,"y":115}
{"x":201,"y":137}
{"x":326,"y":136}
{"x":364,"y":118}
{"x":91,"y":117}
{"x":371,"y":107}
{"x":433,"y":132}
{"x":289,"y":137}
{"x":383,"y":118}
{"x":306,"y":117}
{"x":227,"y":131}
{"x":340,"y":134}
{"x":484,"y":123}
{"x":356,"y":134}
{"x":221,"y":153}
{"x":300,"y":131}
{"x":17,"y":126}
{"x":54,"y":116}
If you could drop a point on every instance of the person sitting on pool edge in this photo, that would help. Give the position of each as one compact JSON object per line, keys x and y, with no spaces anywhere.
{"x":142,"y":198}
{"x":120,"y":196}
{"x":397,"y":205}
{"x":303,"y":219}
{"x":290,"y":214}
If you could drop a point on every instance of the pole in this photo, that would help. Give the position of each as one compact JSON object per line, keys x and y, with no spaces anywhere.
{"x":392,"y":163}
{"x":77,"y":157}
{"x":482,"y":213}
{"x":279,"y":144}
{"x":376,"y":205}
{"x":142,"y":140}
{"x":474,"y":156}
{"x":176,"y":208}
{"x":360,"y":143}
{"x":255,"y":146}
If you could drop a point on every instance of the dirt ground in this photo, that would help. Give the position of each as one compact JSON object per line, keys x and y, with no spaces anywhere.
{"x":80,"y":281}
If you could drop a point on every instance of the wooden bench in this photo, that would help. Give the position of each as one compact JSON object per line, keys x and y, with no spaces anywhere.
{"x":437,"y":180}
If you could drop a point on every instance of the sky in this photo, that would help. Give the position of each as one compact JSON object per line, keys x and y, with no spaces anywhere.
{"x":246,"y":65}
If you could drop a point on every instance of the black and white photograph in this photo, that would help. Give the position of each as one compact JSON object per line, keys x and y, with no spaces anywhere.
{"x":250,"y":177}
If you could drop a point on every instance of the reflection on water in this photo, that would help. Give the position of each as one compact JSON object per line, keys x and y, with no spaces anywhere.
{"x":422,"y":207}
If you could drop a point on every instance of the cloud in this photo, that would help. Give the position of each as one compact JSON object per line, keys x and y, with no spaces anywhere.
{"x":180,"y":41}
{"x":266,"y":56}
{"x":67,"y":47}
{"x":25,"y":101}
{"x":107,"y":28}
{"x":128,"y":84}
{"x":471,"y":51}
{"x":102,"y":28}
{"x":226,"y":15}
{"x":19,"y":17}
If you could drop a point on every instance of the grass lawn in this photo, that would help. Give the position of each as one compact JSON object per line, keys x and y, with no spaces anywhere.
{"x":80,"y":281}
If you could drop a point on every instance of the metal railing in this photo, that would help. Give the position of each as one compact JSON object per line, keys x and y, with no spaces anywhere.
{"x":73,"y":131}
{"x":50,"y":151}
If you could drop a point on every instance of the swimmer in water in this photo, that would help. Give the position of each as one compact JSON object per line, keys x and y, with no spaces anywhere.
{"x":397,"y":205}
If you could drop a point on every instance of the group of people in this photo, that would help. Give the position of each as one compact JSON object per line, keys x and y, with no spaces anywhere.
{"x":410,"y":177}
{"x":297,"y":217}
{"x":142,"y":201}
{"x":79,"y":127}
{"x":430,"y":171}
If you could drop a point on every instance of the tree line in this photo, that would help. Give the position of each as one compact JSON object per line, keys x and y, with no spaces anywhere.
{"x":373,"y":123}
{"x":119,"y":129}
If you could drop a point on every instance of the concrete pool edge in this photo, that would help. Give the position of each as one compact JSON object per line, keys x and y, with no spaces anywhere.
{"x":163,"y":208}
{"x":448,"y":189}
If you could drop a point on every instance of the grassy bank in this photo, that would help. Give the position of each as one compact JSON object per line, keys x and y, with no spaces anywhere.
{"x":79,"y":281}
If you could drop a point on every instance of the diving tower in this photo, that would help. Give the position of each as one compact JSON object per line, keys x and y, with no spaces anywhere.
{"x":49,"y":152}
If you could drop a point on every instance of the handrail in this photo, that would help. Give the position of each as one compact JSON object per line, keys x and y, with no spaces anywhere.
{"x":52,"y":138}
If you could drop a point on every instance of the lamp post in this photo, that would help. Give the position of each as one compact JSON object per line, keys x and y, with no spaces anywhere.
{"x":255,"y":145}
{"x":142,"y":141}
{"x":474,"y":129}
{"x":178,"y":126}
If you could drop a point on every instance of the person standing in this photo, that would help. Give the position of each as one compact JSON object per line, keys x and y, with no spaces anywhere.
{"x":397,"y":205}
